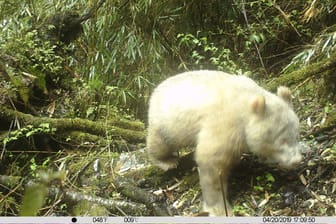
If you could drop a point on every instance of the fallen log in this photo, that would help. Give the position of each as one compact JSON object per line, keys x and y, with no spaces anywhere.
{"x":323,"y":68}
{"x":116,"y":130}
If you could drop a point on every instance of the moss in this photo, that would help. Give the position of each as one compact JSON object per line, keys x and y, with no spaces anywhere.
{"x":87,"y":208}
{"x":320,"y":68}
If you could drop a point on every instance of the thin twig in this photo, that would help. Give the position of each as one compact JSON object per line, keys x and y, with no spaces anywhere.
{"x":286,"y":18}
{"x":223,"y":193}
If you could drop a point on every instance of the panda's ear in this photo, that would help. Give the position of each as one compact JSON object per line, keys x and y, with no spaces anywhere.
{"x":284,"y":93}
{"x":258,"y":105}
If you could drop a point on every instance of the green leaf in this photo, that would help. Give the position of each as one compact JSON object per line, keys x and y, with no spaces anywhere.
{"x":327,"y":109}
{"x":45,"y":125}
{"x":33,"y":199}
{"x":258,"y":188}
{"x":30,"y":133}
{"x":269,"y":177}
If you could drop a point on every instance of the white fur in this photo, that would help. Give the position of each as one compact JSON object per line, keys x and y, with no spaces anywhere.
{"x":223,"y":116}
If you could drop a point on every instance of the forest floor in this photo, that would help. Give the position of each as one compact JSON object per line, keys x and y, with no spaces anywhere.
{"x":105,"y":182}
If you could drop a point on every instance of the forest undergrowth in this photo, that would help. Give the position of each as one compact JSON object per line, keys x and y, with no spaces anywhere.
{"x":75,"y":80}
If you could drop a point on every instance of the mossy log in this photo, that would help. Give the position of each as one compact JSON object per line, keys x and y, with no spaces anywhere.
{"x":321,"y":68}
{"x":72,"y":197}
{"x":125,"y":130}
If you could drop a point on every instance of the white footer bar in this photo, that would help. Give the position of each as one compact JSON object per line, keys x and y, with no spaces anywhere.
{"x":167,"y":220}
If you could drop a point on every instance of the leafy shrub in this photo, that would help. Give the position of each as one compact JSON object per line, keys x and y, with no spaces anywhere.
{"x":32,"y":63}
